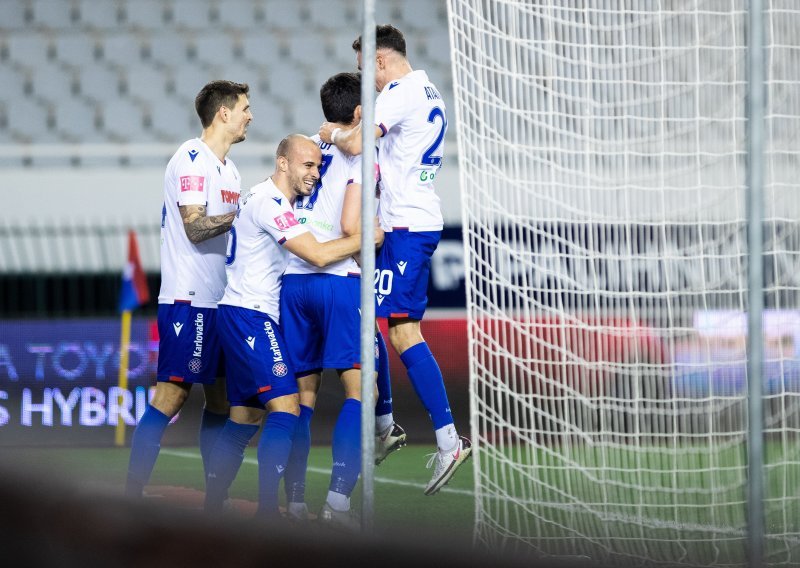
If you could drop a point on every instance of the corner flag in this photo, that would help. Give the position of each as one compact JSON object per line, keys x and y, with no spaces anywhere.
{"x":134,"y":293}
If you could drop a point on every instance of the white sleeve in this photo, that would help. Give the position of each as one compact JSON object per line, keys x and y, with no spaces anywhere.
{"x":279,"y":221}
{"x":390,"y":109}
{"x":191,"y":182}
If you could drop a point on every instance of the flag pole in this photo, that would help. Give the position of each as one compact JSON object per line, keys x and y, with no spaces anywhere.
{"x":124,"y":351}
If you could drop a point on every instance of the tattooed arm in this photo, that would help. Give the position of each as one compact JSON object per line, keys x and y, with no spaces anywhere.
{"x":199,"y":227}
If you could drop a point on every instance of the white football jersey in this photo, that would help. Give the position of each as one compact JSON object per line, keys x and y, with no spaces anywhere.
{"x":195,"y":272}
{"x":413,"y":118}
{"x":321,"y":212}
{"x":256,"y":258}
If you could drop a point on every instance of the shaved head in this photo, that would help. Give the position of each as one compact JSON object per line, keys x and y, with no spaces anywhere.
{"x":291,"y":144}
{"x":297,"y":163}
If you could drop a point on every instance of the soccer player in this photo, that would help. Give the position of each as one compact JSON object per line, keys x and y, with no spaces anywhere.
{"x":201,"y":190}
{"x":260,"y":376}
{"x":321,"y":319}
{"x":410,"y":124}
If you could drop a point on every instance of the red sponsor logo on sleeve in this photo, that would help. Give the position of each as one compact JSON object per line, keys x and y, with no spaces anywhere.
{"x":286,"y":221}
{"x":192,"y":183}
{"x":229,"y":196}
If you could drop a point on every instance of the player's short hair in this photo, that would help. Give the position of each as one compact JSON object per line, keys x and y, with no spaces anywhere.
{"x":386,"y":36}
{"x":216,"y":94}
{"x":340,"y":95}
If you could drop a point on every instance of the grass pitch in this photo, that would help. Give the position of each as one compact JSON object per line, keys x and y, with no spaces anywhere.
{"x":399,"y":483}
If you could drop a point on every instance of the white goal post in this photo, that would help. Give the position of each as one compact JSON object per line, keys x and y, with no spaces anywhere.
{"x":602,"y":170}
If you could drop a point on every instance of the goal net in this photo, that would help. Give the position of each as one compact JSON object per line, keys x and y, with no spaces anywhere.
{"x":602,"y":161}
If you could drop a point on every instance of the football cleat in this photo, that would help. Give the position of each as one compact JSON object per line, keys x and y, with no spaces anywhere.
{"x":445,"y":465}
{"x":345,"y":521}
{"x":297,"y":513}
{"x":393,"y":439}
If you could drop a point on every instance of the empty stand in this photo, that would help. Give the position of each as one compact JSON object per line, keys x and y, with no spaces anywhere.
{"x":127,"y":71}
{"x":55,"y":14}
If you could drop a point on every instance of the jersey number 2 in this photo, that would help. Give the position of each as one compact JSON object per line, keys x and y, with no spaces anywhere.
{"x":428,"y":159}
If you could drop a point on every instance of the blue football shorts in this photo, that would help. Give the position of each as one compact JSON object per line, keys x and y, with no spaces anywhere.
{"x":321,"y":320}
{"x":402,"y":270}
{"x":189,"y":349}
{"x":257,"y":367}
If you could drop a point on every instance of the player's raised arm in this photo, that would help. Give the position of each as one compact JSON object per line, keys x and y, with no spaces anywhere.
{"x":307,"y":247}
{"x":348,"y":140}
{"x":200,"y":227}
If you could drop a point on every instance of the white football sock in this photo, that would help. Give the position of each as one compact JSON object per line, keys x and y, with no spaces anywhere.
{"x":447,"y":438}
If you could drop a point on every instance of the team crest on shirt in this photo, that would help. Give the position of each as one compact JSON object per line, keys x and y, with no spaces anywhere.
{"x":195,"y":365}
{"x":280,"y":369}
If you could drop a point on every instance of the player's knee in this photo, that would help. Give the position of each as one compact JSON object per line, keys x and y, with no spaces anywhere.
{"x":169,"y":397}
{"x":289,"y":403}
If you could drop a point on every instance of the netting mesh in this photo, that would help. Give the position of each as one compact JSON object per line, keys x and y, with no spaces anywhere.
{"x":602,"y":160}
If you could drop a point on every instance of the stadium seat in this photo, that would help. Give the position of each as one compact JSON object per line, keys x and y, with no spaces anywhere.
{"x":261,"y":48}
{"x":215,"y":49}
{"x":385,"y":13}
{"x":28,"y":122}
{"x":54,"y":14}
{"x":123,"y":121}
{"x":14,"y":84}
{"x":306,"y":116}
{"x":144,"y":82}
{"x":436,"y":47}
{"x":99,"y":15}
{"x":76,"y":48}
{"x":166,"y":47}
{"x":344,"y":15}
{"x":14,"y":15}
{"x":243,"y":15}
{"x":421,"y":15}
{"x":288,"y":81}
{"x":172,"y":121}
{"x":193,"y":14}
{"x":53,"y":82}
{"x":75,"y":121}
{"x":29,"y":48}
{"x":146,"y":14}
{"x":189,"y":78}
{"x":121,"y":49}
{"x":97,"y":82}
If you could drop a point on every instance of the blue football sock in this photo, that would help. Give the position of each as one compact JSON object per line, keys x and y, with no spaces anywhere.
{"x":145,"y":445}
{"x":211,"y":425}
{"x":425,"y":376}
{"x":224,"y":461}
{"x":273,"y":453}
{"x":384,"y":384}
{"x":346,"y":448}
{"x":295,"y":476}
